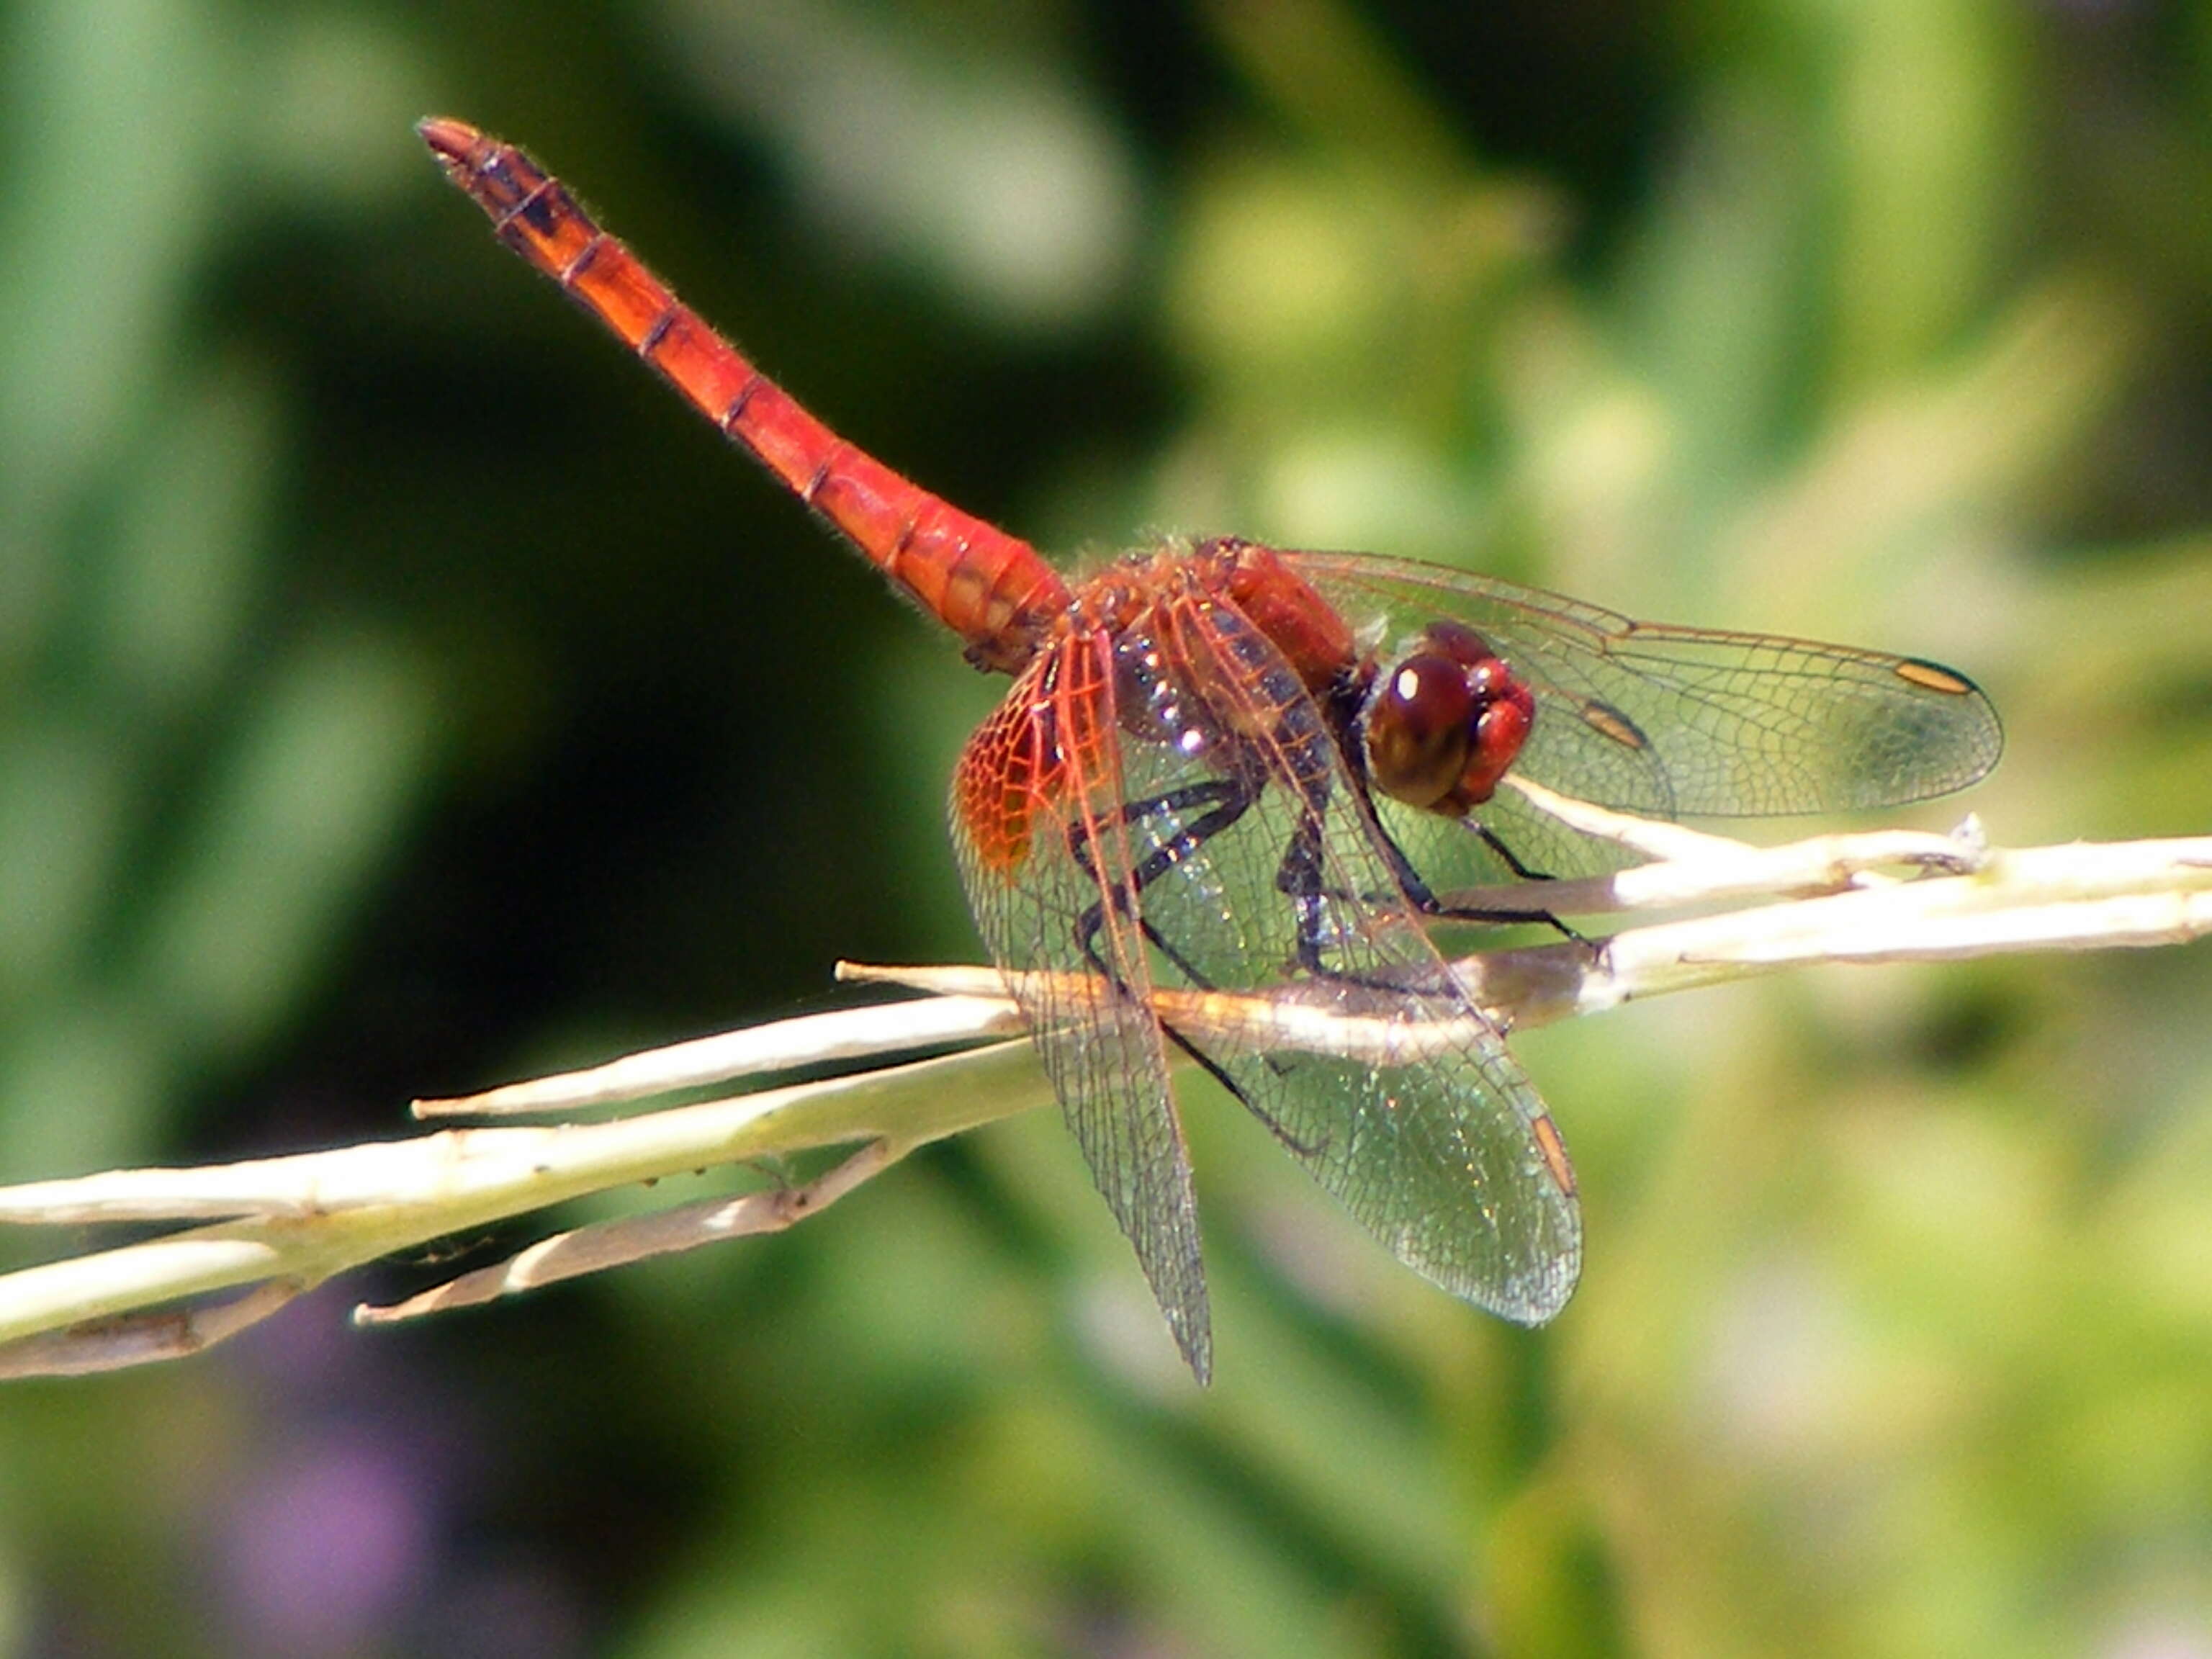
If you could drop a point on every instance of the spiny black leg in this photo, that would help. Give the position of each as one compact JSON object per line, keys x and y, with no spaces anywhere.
{"x":1227,"y":798}
{"x":1427,"y":902}
{"x":1214,"y":1069}
{"x":1512,"y":860}
{"x":1428,"y":905}
{"x":1212,"y":793}
{"x":1500,"y":918}
{"x":1298,"y":876}
{"x":1418,"y":893}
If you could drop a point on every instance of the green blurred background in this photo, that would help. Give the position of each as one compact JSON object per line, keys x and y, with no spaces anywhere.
{"x":399,"y":692}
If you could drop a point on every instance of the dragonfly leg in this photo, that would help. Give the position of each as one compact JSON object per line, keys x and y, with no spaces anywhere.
{"x":1298,"y":878}
{"x":1226,"y":801}
{"x":1419,"y":895}
{"x":1512,"y":860}
{"x":1269,"y":1120}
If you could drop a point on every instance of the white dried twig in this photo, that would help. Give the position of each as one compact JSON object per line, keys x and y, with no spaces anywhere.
{"x":278,"y":1226}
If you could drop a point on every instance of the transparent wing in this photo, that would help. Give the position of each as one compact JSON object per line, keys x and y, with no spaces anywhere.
{"x":1431,"y":1135}
{"x":1046,"y":854}
{"x":1661,"y":720}
{"x":1449,"y":853}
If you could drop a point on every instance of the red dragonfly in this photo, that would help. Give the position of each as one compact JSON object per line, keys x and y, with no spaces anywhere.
{"x":1229,"y":766}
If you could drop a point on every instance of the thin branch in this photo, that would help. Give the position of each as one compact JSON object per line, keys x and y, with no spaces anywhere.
{"x":305,"y":1218}
{"x":810,"y":1040}
{"x":2083,"y":896}
{"x":281,"y":1225}
{"x":144,"y":1337}
{"x":606,"y":1244}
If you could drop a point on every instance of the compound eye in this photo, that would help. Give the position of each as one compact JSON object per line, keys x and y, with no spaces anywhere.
{"x":1420,"y":722}
{"x":1458,"y":641}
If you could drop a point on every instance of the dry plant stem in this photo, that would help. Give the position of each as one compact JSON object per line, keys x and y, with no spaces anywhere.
{"x":142,"y":1337}
{"x":2089,"y":896}
{"x":1689,"y":867}
{"x":283,"y":1225}
{"x":310,"y":1185}
{"x":808,"y":1040}
{"x":635,"y":1238}
{"x":300,"y":1220}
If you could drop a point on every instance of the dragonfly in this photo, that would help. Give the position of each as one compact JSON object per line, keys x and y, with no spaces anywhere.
{"x":1227,"y":767}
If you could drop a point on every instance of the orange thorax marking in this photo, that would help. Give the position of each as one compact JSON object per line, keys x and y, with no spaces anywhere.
{"x":1054,"y":733}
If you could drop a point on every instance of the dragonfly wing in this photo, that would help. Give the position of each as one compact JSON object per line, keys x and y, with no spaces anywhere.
{"x":1421,"y":1122}
{"x":1449,"y":1161}
{"x":1047,"y":856}
{"x":1652,"y":718}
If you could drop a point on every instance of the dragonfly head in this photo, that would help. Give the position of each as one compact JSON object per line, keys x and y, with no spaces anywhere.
{"x":1441,"y":725}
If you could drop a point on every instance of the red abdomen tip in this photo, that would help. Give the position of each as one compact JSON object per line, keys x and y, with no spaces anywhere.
{"x":450,"y":140}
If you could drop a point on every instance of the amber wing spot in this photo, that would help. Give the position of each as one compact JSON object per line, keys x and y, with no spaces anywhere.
{"x":1605,"y":718}
{"x":1555,"y":1153}
{"x":1934,"y":677}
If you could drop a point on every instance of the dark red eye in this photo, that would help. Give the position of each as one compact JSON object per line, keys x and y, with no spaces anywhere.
{"x":1420,"y":722}
{"x":1443,"y":726}
{"x":1458,"y":641}
{"x":1500,"y":731}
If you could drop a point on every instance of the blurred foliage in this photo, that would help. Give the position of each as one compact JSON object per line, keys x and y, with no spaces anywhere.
{"x":399,"y":691}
